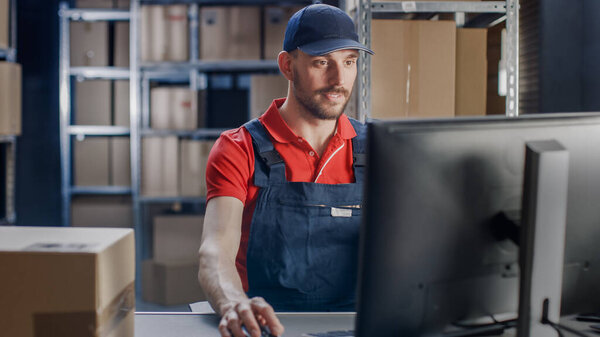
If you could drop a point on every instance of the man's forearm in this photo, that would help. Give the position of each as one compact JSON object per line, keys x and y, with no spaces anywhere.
{"x":219,"y":279}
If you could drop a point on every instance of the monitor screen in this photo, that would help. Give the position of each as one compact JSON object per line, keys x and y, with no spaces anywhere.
{"x":432,"y":258}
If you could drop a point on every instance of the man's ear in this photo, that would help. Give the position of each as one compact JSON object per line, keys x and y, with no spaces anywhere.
{"x":284,"y":60}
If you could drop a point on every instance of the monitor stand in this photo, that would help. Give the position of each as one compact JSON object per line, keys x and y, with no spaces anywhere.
{"x":542,"y":240}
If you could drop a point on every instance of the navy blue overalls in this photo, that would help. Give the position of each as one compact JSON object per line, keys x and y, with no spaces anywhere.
{"x":303,"y":246}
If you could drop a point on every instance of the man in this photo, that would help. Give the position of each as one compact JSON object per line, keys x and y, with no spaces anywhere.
{"x":284,"y":191}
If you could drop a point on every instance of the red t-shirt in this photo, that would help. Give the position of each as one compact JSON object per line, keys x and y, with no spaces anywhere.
{"x":230,"y":168}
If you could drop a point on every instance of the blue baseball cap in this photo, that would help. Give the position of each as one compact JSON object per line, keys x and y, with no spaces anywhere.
{"x":321,"y":29}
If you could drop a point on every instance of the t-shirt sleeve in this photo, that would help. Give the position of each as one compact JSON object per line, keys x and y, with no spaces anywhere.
{"x":230,"y":165}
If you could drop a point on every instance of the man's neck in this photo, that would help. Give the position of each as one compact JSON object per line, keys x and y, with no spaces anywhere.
{"x":317,"y":132}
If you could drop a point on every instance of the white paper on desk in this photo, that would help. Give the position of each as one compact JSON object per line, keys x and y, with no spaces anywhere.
{"x":202,"y":307}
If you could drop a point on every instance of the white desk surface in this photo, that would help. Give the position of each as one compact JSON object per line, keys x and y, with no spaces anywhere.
{"x":192,"y":324}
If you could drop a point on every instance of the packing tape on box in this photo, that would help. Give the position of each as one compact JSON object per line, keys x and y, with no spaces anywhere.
{"x":86,"y":323}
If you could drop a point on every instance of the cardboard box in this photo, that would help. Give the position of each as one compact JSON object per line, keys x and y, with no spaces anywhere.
{"x":173,"y":108}
{"x":194,"y":158}
{"x":160,"y":170}
{"x":164,"y":33}
{"x":89,"y":44}
{"x":102,"y":211}
{"x":171,"y":283}
{"x":92,"y":102}
{"x":263,"y":90}
{"x":121,"y":103}
{"x":4,"y":23}
{"x":471,"y":71}
{"x":91,"y":161}
{"x":275,"y":22}
{"x":120,"y":161}
{"x":177,"y":237}
{"x":60,"y":281}
{"x":121,"y":44}
{"x":230,"y":33}
{"x":413,"y":74}
{"x":10,"y":98}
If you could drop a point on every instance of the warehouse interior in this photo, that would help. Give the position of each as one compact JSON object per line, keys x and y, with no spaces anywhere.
{"x":72,"y":156}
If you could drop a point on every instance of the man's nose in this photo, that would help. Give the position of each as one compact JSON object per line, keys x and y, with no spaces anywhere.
{"x":336,"y":74}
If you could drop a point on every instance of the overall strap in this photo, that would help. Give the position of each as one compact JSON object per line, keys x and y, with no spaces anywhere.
{"x":359,"y":149}
{"x":269,"y":167}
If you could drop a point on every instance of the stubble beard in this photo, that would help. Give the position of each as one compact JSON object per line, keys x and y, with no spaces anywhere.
{"x":318,"y":108}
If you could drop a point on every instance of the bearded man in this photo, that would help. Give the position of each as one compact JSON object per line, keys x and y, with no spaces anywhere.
{"x":285,"y":190}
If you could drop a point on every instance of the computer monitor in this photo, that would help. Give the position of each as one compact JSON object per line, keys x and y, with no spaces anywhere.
{"x":432,"y":256}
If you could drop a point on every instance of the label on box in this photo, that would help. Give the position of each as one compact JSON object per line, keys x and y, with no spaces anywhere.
{"x":74,"y":247}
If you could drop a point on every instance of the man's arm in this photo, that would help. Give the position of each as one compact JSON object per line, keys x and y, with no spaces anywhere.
{"x":218,"y":275}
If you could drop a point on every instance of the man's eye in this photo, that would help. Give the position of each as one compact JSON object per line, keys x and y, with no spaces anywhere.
{"x":350,"y":62}
{"x":321,"y":63}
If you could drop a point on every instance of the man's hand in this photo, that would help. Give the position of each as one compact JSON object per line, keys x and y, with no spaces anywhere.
{"x":250,"y":313}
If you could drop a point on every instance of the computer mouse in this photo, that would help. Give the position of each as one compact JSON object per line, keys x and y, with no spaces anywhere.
{"x":264,"y":332}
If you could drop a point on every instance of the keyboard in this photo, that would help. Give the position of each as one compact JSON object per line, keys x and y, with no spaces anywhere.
{"x":347,"y":333}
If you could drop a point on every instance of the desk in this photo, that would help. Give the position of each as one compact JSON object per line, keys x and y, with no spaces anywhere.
{"x":183,"y":324}
{"x":205,"y":325}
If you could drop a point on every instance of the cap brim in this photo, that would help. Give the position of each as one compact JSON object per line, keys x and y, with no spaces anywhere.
{"x":323,"y":47}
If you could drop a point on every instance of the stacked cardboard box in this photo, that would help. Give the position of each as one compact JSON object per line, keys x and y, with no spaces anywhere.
{"x":101,"y":211}
{"x":427,"y":69}
{"x":170,"y":278}
{"x":263,"y":90}
{"x":193,"y":160}
{"x":4,"y":23}
{"x":160,"y":174}
{"x":121,"y":103}
{"x":10,"y":98}
{"x":102,"y":161}
{"x":92,"y":102}
{"x":89,"y":45}
{"x":121,"y":44}
{"x":67,"y":281}
{"x":164,"y":33}
{"x":275,"y":22}
{"x":174,"y":108}
{"x":229,"y":33}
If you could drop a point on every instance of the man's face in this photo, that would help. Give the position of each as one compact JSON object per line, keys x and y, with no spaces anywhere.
{"x":323,"y":84}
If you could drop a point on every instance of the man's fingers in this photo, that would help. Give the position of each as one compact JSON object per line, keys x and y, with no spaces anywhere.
{"x":248,"y":320}
{"x":223,"y":328}
{"x":262,"y":309}
{"x":232,"y":324}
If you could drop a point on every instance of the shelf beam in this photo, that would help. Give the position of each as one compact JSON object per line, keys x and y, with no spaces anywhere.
{"x":439,"y":7}
{"x":98,"y":130}
{"x":79,"y":14}
{"x":168,"y":69}
{"x":100,"y":190}
{"x":199,"y":133}
{"x":108,"y":73}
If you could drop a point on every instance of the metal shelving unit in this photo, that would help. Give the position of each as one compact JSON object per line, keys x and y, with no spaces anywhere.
{"x":194,"y":72}
{"x":9,"y":142}
{"x":67,"y":130}
{"x":491,"y":12}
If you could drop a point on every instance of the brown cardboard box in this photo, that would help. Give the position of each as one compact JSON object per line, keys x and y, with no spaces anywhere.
{"x":101,"y":211}
{"x":230,"y":33}
{"x":4,"y":23}
{"x":120,"y":161}
{"x":89,"y":44}
{"x":164,"y":33}
{"x":61,"y":281}
{"x":173,"y":108}
{"x":194,"y":158}
{"x":413,"y":74}
{"x":121,"y":44}
{"x":275,"y":22}
{"x":171,"y":283}
{"x":263,"y":90}
{"x":121,"y":103}
{"x":177,"y":237}
{"x":160,"y":172}
{"x":92,"y":102}
{"x":10,"y":98}
{"x":471,"y":71}
{"x":91,"y":161}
